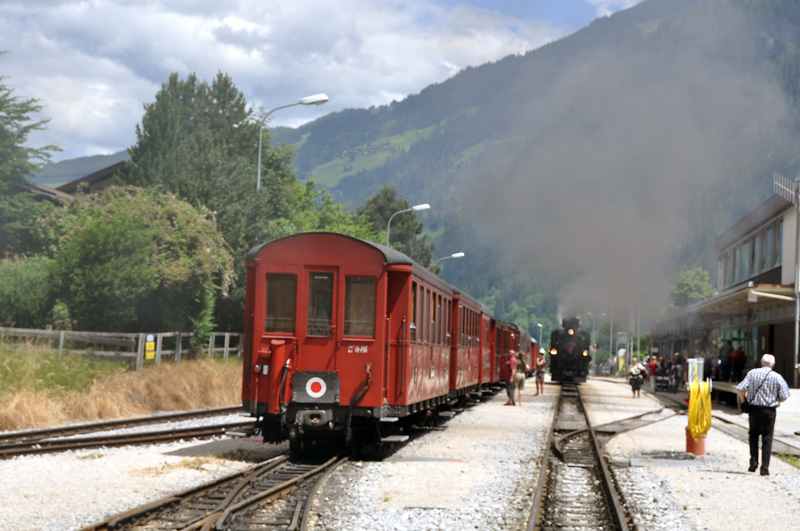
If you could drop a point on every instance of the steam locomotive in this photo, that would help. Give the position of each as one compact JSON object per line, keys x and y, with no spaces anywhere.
{"x":569,"y":352}
{"x":348,"y":341}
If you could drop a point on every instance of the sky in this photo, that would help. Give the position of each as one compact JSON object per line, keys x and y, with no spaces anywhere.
{"x":94,"y":64}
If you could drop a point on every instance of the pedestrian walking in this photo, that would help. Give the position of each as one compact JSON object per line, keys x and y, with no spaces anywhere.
{"x":636,"y":374}
{"x":763,"y":390}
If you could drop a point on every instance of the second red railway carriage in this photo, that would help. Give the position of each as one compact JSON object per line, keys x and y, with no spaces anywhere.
{"x":346,"y":337}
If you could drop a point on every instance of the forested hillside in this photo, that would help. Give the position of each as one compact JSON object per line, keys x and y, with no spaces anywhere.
{"x":588,"y":172}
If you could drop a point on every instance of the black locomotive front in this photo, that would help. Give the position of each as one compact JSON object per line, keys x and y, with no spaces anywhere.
{"x":569,"y":352}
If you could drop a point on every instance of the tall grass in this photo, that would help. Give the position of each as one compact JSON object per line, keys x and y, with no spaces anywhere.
{"x":39,"y":390}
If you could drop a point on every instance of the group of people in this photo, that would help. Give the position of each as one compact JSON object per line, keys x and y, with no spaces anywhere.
{"x":515,"y":372}
{"x":731,"y":362}
{"x":670,"y":370}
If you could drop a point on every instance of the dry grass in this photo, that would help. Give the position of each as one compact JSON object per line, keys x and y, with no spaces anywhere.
{"x":189,"y":385}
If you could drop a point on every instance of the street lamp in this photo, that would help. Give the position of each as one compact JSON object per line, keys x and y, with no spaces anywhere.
{"x":316,"y":99}
{"x":540,"y":334}
{"x":454,"y":255}
{"x":415,"y":208}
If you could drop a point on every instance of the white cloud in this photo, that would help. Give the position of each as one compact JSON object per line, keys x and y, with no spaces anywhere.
{"x":604,"y":8}
{"x":93,"y":64}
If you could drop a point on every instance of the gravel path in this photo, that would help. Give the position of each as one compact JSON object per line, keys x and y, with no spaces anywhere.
{"x":476,"y":474}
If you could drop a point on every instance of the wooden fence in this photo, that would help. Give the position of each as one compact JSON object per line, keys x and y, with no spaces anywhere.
{"x":137,"y":349}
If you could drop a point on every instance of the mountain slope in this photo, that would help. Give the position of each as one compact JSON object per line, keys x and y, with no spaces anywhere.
{"x":589,"y":169}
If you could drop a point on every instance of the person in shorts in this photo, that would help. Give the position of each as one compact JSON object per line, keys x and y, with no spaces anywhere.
{"x":538,"y":365}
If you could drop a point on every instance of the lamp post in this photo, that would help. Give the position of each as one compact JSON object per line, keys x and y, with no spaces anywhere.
{"x":415,"y":208}
{"x":316,"y":99}
{"x":454,"y":255}
{"x":540,"y":333}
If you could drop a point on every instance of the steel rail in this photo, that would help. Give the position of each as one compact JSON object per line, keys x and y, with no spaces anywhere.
{"x":129,"y":516}
{"x":77,"y":429}
{"x":616,"y":511}
{"x":543,"y":469}
{"x":60,"y":445}
{"x":608,"y":480}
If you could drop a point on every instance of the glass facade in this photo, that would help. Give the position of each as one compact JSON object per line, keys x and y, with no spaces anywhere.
{"x":754,"y":255}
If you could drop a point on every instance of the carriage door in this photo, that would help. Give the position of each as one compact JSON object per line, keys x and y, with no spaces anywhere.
{"x":321,"y":332}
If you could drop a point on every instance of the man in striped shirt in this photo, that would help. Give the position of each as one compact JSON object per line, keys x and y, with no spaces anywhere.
{"x":764,"y":389}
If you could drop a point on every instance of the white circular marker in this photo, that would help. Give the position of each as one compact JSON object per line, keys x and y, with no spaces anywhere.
{"x":315,"y":387}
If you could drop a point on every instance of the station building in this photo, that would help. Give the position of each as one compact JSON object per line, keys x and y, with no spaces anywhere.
{"x":755,"y":303}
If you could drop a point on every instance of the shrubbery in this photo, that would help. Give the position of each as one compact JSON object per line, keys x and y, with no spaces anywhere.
{"x":25,"y":292}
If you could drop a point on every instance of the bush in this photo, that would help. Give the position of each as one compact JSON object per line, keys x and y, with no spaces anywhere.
{"x":25,"y":292}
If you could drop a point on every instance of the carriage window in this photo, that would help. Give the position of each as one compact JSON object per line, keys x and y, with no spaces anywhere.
{"x":413,"y":311}
{"x":281,"y":303}
{"x":320,"y":304}
{"x":428,"y":317}
{"x":359,"y":306}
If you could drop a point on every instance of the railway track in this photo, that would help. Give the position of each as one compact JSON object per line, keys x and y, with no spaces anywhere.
{"x":276,"y":494}
{"x":576,"y":489}
{"x":61,"y":439}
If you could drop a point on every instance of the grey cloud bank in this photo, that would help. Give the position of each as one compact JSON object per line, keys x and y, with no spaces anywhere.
{"x":95,"y":64}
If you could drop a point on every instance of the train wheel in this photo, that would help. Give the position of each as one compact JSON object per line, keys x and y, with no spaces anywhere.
{"x":295,"y":443}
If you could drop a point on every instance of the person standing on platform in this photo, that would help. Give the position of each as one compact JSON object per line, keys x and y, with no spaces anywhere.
{"x":652,"y":369}
{"x":725,"y":361}
{"x":508,"y":374}
{"x":636,"y":373}
{"x":538,"y":366}
{"x":737,"y":363}
{"x":764,"y":390}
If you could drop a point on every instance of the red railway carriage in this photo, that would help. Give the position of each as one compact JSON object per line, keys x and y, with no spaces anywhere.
{"x":467,"y":331}
{"x":505,"y":337}
{"x":487,"y":348}
{"x":525,"y":349}
{"x":343,"y":333}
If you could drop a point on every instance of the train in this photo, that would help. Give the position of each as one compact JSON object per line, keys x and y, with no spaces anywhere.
{"x":569,"y":352}
{"x":352,"y":342}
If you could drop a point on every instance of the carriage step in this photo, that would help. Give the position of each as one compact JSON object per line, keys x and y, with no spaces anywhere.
{"x":389,"y":419}
{"x":394,"y":439}
{"x":447,"y":414}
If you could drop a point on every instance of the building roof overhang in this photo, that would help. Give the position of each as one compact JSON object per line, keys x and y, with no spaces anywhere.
{"x":730,"y":303}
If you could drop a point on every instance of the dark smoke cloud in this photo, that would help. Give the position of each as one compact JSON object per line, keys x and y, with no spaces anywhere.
{"x":619,"y":152}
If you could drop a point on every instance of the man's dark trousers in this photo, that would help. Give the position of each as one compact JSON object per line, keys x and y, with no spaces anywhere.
{"x":762,"y":423}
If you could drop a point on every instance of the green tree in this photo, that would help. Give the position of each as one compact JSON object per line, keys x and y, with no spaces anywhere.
{"x":406,"y":230}
{"x":692,"y":286}
{"x":138,"y":260}
{"x":19,"y":211}
{"x":200,"y":141}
